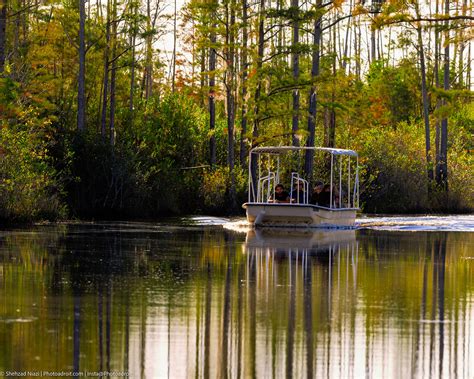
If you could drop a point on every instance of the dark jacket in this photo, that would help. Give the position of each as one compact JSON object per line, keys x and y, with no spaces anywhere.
{"x":324,"y":199}
{"x":282,"y":196}
{"x":315,"y":198}
{"x":298,"y":196}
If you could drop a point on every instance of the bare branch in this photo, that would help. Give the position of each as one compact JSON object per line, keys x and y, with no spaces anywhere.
{"x":429,"y":19}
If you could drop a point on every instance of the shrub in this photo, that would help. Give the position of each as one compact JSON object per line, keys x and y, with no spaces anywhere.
{"x":215,"y":190}
{"x":29,"y":189}
{"x":393,"y":174}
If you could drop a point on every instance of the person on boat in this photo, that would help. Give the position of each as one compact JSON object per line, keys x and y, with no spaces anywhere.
{"x":281,"y":196}
{"x":318,"y":189}
{"x":325,"y":197}
{"x":298,"y":195}
{"x":337,"y":197}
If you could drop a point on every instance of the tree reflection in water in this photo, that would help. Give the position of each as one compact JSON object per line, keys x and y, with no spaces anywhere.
{"x":204,"y":302}
{"x":292,"y":259}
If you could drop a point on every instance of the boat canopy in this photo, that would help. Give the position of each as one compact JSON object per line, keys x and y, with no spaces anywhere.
{"x":264,"y":175}
{"x":283,"y":149}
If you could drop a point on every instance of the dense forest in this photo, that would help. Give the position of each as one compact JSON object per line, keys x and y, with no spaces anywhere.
{"x":141,"y":108}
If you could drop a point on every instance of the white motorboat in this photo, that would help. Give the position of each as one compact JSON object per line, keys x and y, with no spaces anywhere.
{"x":266,"y":165}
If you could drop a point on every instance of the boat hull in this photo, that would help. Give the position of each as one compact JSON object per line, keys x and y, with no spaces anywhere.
{"x":298,"y":215}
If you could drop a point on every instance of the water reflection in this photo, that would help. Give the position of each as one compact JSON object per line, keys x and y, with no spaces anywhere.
{"x":286,"y":261}
{"x":206,"y":302}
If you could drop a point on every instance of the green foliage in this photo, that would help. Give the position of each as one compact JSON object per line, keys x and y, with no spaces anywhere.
{"x":8,"y":93}
{"x":145,"y":174}
{"x":168,"y":139}
{"x":28,"y":185}
{"x":215,"y":187}
{"x":460,"y":162}
{"x":392,"y":173}
{"x":393,"y":90}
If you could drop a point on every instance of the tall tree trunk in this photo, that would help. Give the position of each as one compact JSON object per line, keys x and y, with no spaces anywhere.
{"x":443,"y":154}
{"x":281,"y":36}
{"x":469,"y":71}
{"x":346,"y":52}
{"x":258,"y":89}
{"x":424,"y":94}
{"x":148,"y":75}
{"x":15,"y":56}
{"x":380,"y":54}
{"x":331,"y":110}
{"x":373,"y":43}
{"x":113,"y":73}
{"x":3,"y":30}
{"x":462,"y":47}
{"x":389,"y":49}
{"x":230,"y":79}
{"x":332,"y":122}
{"x":437,"y":60}
{"x":24,"y":21}
{"x":203,"y":77}
{"x":260,"y":50}
{"x":296,"y":72}
{"x":105,"y":88}
{"x":212,"y":92}
{"x":312,"y":100}
{"x":133,"y":37}
{"x":173,"y":88}
{"x":243,"y":126}
{"x":81,"y":93}
{"x":357,"y":47}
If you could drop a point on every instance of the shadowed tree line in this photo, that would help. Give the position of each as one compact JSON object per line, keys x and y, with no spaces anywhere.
{"x":96,"y":120}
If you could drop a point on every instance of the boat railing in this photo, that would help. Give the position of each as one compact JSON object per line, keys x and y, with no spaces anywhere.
{"x":266,"y":187}
{"x":294,"y":188}
{"x":343,"y":180}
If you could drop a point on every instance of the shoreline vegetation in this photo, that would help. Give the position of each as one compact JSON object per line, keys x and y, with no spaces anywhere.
{"x":95,"y":123}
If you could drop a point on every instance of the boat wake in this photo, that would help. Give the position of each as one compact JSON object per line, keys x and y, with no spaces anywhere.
{"x":205,"y":220}
{"x":239,"y":226}
{"x":464,"y":223}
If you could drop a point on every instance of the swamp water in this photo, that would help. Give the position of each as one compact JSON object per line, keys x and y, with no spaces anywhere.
{"x":393,"y":299}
